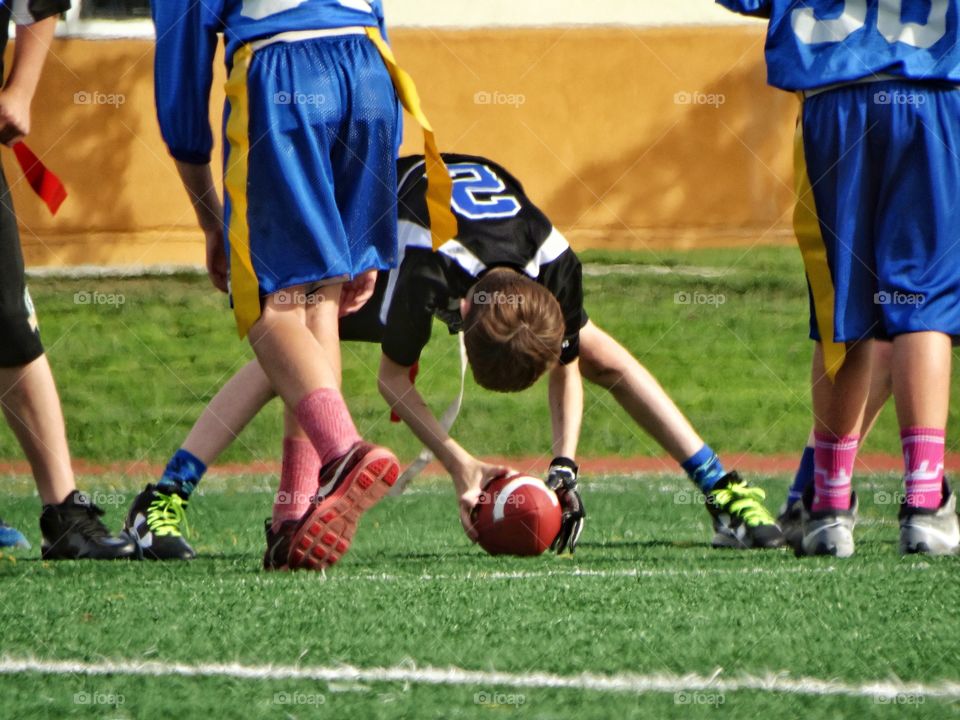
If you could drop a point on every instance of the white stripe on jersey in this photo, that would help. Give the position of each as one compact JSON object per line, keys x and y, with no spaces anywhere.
{"x":408,"y":235}
{"x":553,"y":247}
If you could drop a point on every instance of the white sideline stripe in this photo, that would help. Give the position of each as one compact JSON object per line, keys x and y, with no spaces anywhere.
{"x":786,"y":569}
{"x":454,"y":676}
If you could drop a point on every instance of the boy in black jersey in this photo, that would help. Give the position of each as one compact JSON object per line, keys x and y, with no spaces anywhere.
{"x":511,"y":283}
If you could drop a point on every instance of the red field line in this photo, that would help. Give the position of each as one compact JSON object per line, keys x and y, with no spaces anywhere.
{"x":744,"y":462}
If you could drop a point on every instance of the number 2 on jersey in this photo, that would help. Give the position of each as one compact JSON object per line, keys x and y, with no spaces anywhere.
{"x":812,"y":30}
{"x":478,"y":193}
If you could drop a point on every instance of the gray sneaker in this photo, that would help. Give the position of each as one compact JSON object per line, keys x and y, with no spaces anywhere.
{"x":829,"y":532}
{"x":790,"y":521}
{"x":931,"y":532}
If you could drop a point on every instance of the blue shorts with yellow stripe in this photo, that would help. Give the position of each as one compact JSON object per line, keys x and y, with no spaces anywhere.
{"x":878,"y":209}
{"x":310,"y":164}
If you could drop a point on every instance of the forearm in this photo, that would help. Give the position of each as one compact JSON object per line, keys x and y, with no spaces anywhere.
{"x":202,"y":191}
{"x":404,"y":399}
{"x":566,"y":408}
{"x":29,"y":53}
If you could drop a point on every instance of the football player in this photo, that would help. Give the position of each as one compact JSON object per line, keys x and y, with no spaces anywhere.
{"x":878,"y":174}
{"x":69,"y":522}
{"x":311,"y":130}
{"x":512,"y":285}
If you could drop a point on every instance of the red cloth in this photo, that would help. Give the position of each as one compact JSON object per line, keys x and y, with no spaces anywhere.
{"x":44,"y":183}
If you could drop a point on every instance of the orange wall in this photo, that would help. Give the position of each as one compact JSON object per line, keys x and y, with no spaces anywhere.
{"x":592,"y":120}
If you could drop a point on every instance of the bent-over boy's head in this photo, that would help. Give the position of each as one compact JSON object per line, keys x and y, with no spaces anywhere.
{"x":513,"y":330}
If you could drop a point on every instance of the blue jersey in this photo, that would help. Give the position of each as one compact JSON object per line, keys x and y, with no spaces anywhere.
{"x":815,"y":43}
{"x":187,"y":33}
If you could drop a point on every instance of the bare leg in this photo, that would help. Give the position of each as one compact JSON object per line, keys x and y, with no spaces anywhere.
{"x":32,"y":408}
{"x":289,"y":353}
{"x":229,"y":412}
{"x":839,"y":406}
{"x":921,"y":379}
{"x":608,"y":364}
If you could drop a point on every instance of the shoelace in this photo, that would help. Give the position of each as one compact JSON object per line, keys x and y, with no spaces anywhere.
{"x":745,"y":502}
{"x":166,"y":514}
{"x":88,"y":521}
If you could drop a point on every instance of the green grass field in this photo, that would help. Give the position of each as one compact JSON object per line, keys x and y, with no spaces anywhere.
{"x":645,"y":605}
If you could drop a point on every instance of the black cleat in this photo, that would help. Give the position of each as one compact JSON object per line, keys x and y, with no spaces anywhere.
{"x":739,"y":518}
{"x":73,"y":530}
{"x":278,"y":544}
{"x":154,"y":524}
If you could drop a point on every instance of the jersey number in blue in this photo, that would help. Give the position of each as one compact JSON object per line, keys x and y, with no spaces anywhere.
{"x":812,"y":30}
{"x":478,"y":193}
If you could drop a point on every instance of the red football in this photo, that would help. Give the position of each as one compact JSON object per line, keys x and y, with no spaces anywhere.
{"x":517,"y":515}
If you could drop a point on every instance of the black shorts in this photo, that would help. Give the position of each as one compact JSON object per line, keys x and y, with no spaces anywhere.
{"x":19,"y":335}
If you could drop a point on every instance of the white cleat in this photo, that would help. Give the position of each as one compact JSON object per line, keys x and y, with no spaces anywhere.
{"x":829,"y":532}
{"x":931,"y":532}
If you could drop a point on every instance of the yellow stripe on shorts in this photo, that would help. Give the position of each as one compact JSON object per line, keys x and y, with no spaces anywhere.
{"x":244,"y":286}
{"x":806,"y":226}
{"x":443,"y":223}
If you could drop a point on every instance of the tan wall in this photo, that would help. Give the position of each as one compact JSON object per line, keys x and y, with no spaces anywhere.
{"x":592,"y":120}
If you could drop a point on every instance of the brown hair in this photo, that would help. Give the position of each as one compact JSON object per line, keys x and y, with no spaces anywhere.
{"x":513,"y":331}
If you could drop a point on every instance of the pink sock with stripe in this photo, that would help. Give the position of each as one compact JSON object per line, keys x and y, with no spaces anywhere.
{"x":298,"y":480}
{"x":833,"y":459}
{"x":325,"y":419}
{"x":923,"y":450}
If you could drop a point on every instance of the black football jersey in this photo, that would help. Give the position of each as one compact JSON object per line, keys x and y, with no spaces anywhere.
{"x":26,"y":12}
{"x":498,"y":227}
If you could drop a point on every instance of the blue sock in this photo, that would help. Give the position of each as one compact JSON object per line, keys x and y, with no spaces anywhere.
{"x":182,"y":474}
{"x":804,"y":476}
{"x":704,"y":468}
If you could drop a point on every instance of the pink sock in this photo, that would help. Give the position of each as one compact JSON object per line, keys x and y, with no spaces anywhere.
{"x":298,"y":480}
{"x":923,"y":457}
{"x":833,"y":459}
{"x":325,"y":419}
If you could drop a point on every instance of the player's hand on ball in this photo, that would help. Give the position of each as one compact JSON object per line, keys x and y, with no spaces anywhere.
{"x":473,"y":478}
{"x":14,"y":117}
{"x":216,"y":258}
{"x":562,"y":479}
{"x":355,"y":293}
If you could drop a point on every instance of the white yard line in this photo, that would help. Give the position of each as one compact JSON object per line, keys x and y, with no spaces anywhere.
{"x":888,"y":690}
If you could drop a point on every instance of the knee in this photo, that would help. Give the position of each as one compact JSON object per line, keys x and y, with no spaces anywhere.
{"x":601,"y":371}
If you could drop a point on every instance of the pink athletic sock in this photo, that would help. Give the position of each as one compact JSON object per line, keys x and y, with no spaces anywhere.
{"x":325,"y":419}
{"x":833,"y":459}
{"x":298,"y":480}
{"x":923,"y":458}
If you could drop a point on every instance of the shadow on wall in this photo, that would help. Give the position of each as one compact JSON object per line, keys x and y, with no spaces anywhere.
{"x":718,"y":159}
{"x":94,"y":125}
